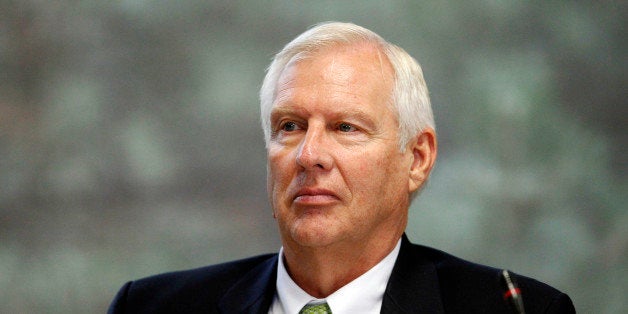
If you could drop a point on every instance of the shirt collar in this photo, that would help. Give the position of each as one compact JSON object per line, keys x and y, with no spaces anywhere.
{"x":362,"y":295}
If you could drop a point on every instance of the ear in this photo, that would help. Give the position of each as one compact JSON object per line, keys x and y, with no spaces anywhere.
{"x":424,"y":148}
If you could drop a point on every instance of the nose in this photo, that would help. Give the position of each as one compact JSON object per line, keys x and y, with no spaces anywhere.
{"x":313,"y":152}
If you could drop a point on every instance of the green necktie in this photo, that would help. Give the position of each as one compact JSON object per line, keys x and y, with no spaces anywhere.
{"x":320,"y":308}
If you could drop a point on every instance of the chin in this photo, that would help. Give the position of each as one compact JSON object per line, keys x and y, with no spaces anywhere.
{"x":313,"y":242}
{"x":313,"y":236}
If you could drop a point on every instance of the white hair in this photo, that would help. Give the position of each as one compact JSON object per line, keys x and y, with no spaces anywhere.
{"x":410,"y":97}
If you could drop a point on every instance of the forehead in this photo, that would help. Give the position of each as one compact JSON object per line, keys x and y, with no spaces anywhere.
{"x":357,"y":70}
{"x":362,"y":58}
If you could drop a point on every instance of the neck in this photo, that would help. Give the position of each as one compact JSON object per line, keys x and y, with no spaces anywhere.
{"x":319,"y":275}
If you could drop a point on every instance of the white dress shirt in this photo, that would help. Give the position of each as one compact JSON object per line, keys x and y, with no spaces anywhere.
{"x":362,"y":295}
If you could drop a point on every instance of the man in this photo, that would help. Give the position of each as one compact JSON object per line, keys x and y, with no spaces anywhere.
{"x":350,"y":140}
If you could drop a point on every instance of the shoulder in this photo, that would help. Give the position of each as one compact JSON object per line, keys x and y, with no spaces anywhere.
{"x":464,"y":283}
{"x":195,"y":289}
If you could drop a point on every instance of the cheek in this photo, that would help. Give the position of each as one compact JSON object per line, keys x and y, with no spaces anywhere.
{"x":276,"y":161}
{"x":364,"y":172}
{"x":377,"y":164}
{"x":278,"y":174}
{"x":382,"y":171}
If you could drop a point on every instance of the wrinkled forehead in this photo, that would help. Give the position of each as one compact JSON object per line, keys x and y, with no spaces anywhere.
{"x":365,"y":49}
{"x":356,"y":79}
{"x":353,"y":64}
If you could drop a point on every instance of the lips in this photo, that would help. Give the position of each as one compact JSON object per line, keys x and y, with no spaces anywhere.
{"x":315,"y":196}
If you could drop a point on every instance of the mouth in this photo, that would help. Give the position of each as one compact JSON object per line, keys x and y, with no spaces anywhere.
{"x":313,"y":196}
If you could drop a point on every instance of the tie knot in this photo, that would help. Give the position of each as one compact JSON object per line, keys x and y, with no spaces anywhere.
{"x":316,"y":308}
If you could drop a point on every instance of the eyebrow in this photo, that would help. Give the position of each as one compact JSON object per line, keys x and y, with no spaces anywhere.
{"x":350,"y":114}
{"x":284,"y":110}
{"x":360,"y":115}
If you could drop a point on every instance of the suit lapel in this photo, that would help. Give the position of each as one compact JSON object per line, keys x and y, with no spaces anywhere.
{"x":254,"y":292}
{"x":413,"y":285}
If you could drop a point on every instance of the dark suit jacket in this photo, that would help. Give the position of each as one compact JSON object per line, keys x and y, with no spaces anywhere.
{"x":424,"y":280}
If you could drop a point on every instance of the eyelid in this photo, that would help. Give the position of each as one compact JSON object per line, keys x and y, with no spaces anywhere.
{"x":354,"y":127}
{"x":282,"y":123}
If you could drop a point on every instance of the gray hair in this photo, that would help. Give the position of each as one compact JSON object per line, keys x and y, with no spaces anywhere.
{"x":410,"y":97}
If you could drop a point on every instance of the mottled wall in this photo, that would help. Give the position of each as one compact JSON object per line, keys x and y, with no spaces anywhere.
{"x":130,"y":140}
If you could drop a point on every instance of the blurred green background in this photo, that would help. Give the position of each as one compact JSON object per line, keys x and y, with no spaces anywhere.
{"x":130,"y":140}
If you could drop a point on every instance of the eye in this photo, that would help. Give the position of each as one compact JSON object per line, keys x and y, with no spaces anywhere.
{"x":289,"y":126}
{"x":346,"y":127}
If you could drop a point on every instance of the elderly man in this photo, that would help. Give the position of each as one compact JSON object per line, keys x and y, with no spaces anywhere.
{"x":350,"y":140}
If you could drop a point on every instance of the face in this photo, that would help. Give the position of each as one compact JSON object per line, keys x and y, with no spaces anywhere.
{"x":335,"y":170}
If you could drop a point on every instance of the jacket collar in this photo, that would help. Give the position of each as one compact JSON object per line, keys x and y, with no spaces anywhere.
{"x":413,"y":286}
{"x":253,"y":293}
